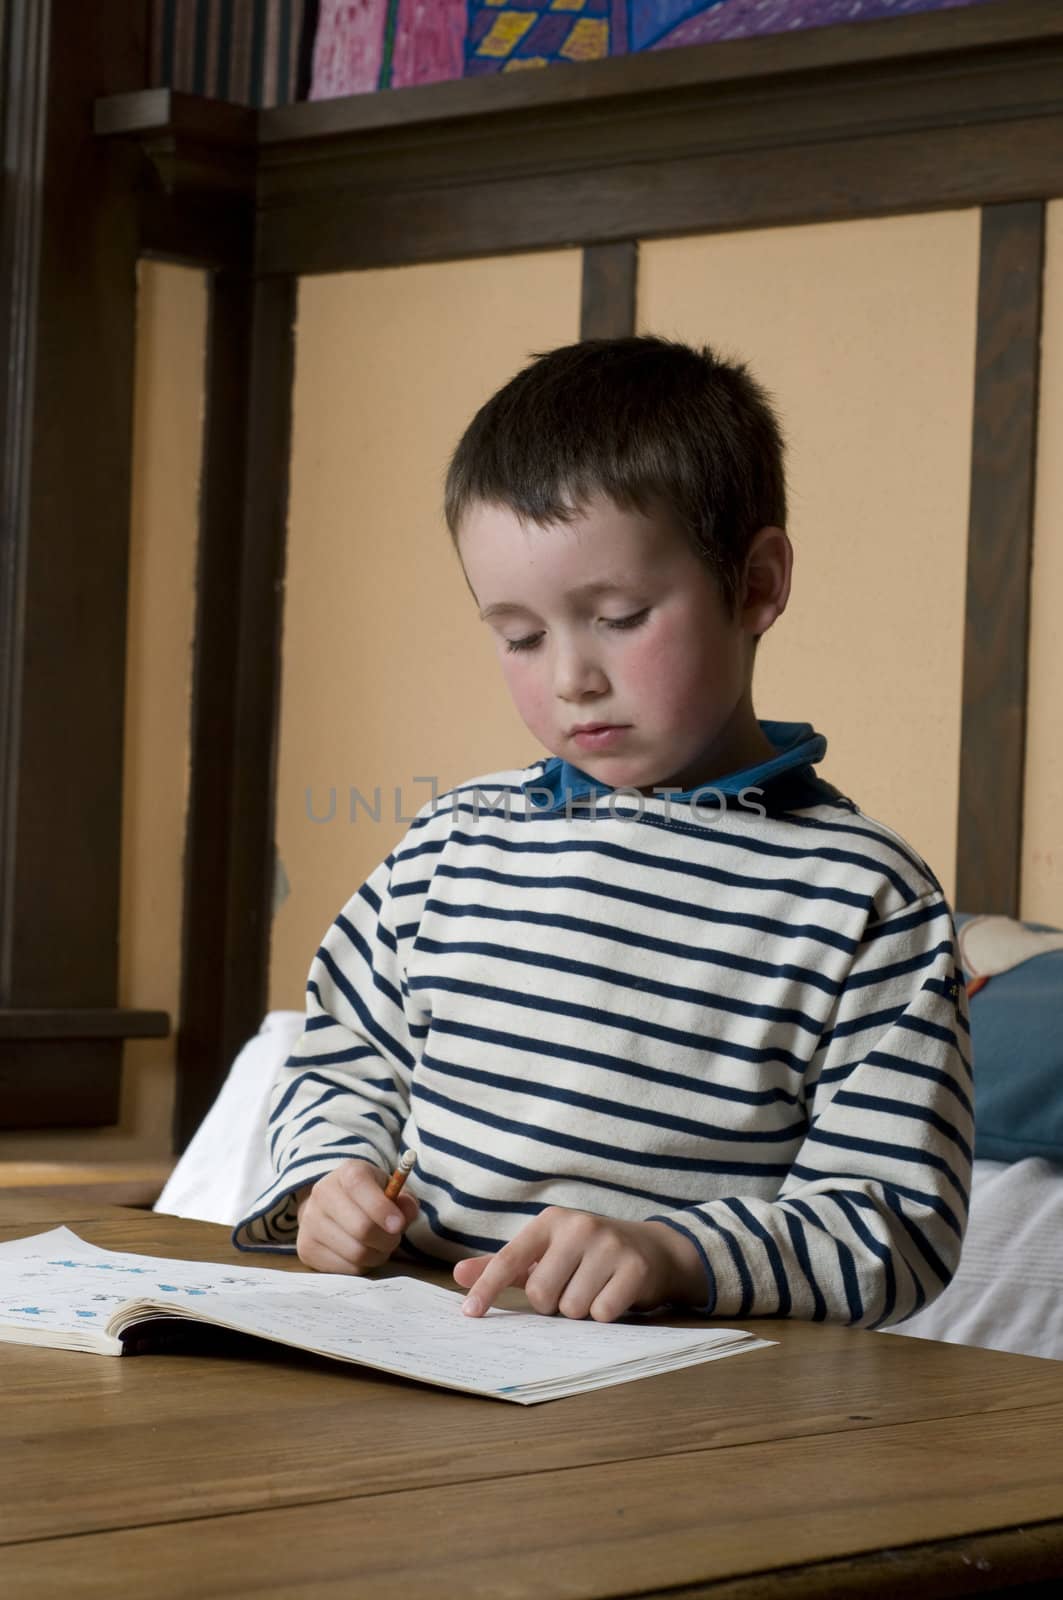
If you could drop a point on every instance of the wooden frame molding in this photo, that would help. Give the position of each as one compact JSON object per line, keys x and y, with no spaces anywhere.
{"x":609,"y":290}
{"x":781,"y":129}
{"x":229,"y":852}
{"x":68,"y":282}
{"x":999,"y":553}
{"x":195,"y":192}
{"x":925,"y":111}
{"x":97,"y":1023}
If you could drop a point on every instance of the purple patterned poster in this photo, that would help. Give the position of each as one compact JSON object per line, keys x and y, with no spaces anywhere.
{"x":363,"y":45}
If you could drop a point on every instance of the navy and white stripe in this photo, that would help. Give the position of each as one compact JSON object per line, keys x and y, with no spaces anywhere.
{"x":749,"y":1027}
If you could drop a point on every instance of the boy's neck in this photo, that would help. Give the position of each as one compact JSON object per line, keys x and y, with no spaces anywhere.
{"x":750,"y":749}
{"x":742,"y":744}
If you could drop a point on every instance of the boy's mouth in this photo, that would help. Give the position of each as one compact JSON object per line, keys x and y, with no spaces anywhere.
{"x":596,"y":735}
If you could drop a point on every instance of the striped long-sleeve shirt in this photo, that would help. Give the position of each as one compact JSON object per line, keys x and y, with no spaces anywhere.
{"x":740,"y":1015}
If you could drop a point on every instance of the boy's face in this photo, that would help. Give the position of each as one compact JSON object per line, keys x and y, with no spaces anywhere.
{"x":616,"y":645}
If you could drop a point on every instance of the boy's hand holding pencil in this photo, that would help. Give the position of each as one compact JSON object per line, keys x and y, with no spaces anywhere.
{"x":351,"y":1220}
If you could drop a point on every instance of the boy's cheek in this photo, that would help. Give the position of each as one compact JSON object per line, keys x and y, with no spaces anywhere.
{"x":530,"y":698}
{"x":662,"y":652}
{"x":654,"y":675}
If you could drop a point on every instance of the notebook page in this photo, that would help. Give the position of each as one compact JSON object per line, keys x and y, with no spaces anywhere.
{"x":57,"y":1283}
{"x":408,"y":1327}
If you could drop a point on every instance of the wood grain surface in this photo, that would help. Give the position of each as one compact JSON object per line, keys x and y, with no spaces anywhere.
{"x":243,"y":1468}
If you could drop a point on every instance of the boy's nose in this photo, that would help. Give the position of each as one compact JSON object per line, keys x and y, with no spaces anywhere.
{"x":579,"y":677}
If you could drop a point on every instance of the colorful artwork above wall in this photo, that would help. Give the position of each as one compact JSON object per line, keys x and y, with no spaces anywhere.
{"x":363,"y":45}
{"x":261,"y":52}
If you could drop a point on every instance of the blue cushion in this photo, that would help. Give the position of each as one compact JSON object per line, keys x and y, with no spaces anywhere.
{"x":1017,"y":1037}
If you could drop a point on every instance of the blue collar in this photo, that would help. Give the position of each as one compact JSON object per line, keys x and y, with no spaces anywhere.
{"x":797,"y":746}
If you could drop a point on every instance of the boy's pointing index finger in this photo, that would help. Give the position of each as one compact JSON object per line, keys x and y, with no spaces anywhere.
{"x":508,"y":1267}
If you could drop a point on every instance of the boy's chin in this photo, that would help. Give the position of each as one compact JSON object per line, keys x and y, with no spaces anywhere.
{"x":621,"y":770}
{"x":620,"y":774}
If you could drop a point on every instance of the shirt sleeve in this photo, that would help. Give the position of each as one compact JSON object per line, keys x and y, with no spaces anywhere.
{"x":868,"y":1223}
{"x":344,"y":1092}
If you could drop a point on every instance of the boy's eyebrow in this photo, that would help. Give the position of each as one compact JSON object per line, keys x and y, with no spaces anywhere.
{"x":585,"y":591}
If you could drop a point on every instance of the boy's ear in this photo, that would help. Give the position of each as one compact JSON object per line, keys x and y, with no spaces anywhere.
{"x":766,"y":583}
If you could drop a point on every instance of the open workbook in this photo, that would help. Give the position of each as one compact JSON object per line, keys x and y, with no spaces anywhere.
{"x":57,"y":1289}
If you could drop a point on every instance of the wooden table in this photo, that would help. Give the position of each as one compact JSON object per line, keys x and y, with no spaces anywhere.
{"x":839,"y":1462}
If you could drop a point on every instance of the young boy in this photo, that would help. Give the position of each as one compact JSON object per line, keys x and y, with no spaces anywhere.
{"x":665,"y":1018}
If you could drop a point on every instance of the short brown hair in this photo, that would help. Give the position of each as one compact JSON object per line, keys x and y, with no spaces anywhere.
{"x":644,"y":420}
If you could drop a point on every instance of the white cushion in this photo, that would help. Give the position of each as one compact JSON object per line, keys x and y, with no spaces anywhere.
{"x":1008,"y":1292}
{"x":226,"y":1165}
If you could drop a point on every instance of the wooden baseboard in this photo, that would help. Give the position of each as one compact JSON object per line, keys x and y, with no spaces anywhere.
{"x":128,"y":1183}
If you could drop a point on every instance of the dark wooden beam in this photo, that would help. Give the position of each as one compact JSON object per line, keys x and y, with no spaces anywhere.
{"x":923,"y":112}
{"x":67,"y":284}
{"x":196,"y":231}
{"x":229,"y":857}
{"x":59,"y":1083}
{"x":97,"y":1023}
{"x":1000,"y":540}
{"x":358,"y":224}
{"x":54,"y":1061}
{"x":609,"y":290}
{"x":927,"y":111}
{"x":195,"y":184}
{"x":170,"y":120}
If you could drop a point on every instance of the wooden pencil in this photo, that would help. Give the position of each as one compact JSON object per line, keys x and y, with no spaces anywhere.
{"x":401,"y":1173}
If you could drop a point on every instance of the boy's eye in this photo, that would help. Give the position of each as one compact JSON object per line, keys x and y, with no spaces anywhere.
{"x":627,"y":622}
{"x":529,"y":642}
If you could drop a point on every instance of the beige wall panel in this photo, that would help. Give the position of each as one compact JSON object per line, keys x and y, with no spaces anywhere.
{"x":1042,"y":861}
{"x":387,"y":673}
{"x":864,"y":333}
{"x":171,"y":331}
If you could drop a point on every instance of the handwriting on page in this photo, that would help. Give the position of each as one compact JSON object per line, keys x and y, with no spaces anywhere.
{"x":80,"y":1284}
{"x":405,"y":1326}
{"x":61,"y":1285}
